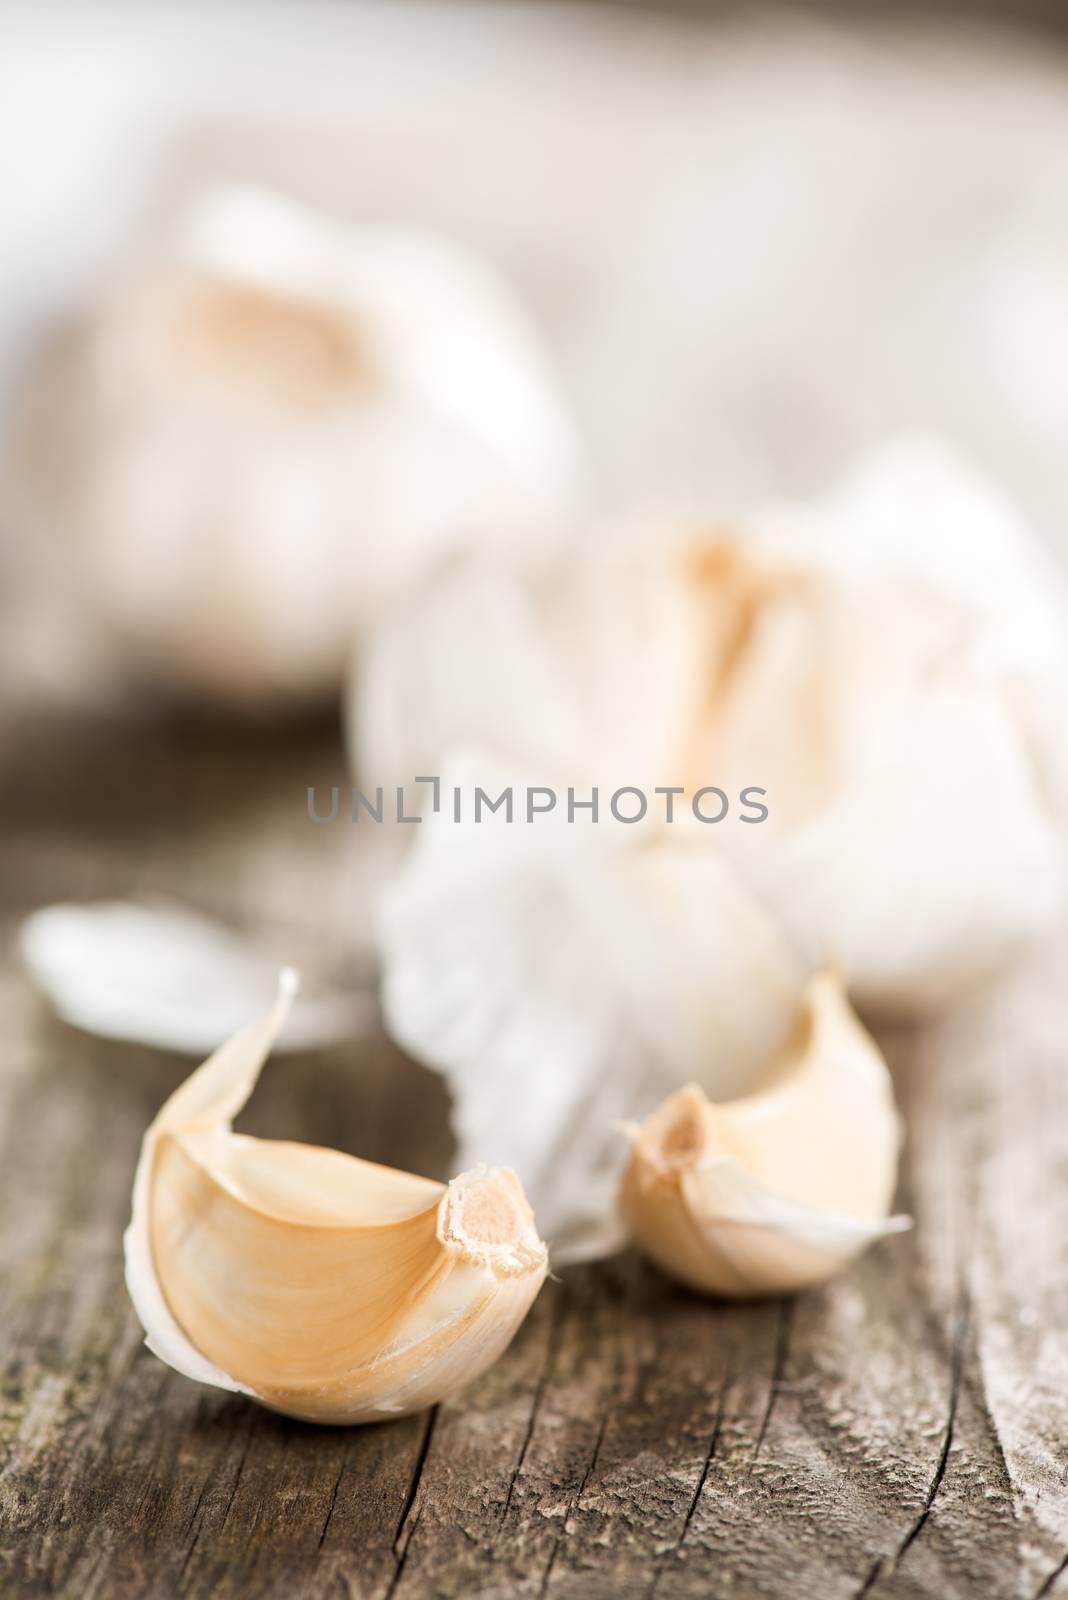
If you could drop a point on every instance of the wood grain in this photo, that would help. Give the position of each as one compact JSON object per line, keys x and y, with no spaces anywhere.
{"x":902,"y":1433}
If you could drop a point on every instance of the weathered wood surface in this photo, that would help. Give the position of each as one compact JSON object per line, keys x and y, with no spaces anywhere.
{"x":902,"y":1433}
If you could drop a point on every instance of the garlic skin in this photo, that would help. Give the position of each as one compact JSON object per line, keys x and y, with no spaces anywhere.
{"x":564,"y":980}
{"x":328,"y":1288}
{"x":165,"y":975}
{"x":269,"y":428}
{"x":777,"y":1191}
{"x":903,"y":713}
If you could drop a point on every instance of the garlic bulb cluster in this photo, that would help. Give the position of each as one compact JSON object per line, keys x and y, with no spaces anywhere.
{"x":901,"y":712}
{"x":900,"y":716}
{"x":778,"y":1190}
{"x":270,"y":428}
{"x":326,"y":1287}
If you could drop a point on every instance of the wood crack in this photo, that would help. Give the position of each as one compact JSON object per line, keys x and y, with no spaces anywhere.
{"x":778,"y":1370}
{"x":187,"y":1558}
{"x":237,"y":1474}
{"x":401,"y":1544}
{"x":1047,"y":1583}
{"x":709,"y":1458}
{"x":960,"y":1335}
{"x":199,"y":1502}
{"x":710,"y":1455}
{"x":962,"y":1323}
{"x":869,"y":1582}
{"x":394,"y":1584}
{"x":416,"y":1479}
{"x":576,"y":1499}
{"x":333,"y":1503}
{"x":995,"y":1432}
{"x":540,"y":1389}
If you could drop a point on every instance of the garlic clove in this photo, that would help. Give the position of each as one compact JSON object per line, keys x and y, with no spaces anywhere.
{"x":326,"y":1287}
{"x":777,"y":1191}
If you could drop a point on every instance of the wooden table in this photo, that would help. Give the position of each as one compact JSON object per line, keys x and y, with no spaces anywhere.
{"x":903,"y":1432}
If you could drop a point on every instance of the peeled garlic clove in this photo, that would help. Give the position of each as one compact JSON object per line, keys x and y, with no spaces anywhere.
{"x":326,"y":1287}
{"x":779,"y":1190}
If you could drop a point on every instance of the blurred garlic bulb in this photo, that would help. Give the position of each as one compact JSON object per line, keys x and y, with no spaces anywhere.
{"x":326,"y":1287}
{"x":270,"y":427}
{"x":903,"y":714}
{"x":777,"y":1191}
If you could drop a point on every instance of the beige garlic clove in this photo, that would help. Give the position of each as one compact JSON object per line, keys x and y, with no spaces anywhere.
{"x":326,"y":1287}
{"x":777,"y":1191}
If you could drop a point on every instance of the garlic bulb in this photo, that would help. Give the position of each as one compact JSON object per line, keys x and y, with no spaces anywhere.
{"x":902,"y":714}
{"x":326,"y":1287}
{"x":270,"y":427}
{"x":777,"y":1191}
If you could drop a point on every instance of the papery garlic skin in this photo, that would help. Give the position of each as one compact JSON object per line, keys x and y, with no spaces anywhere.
{"x":271,"y":427}
{"x":583,"y":669}
{"x":163,"y":974}
{"x":777,"y":1191}
{"x":905,"y":725}
{"x":563,"y":980}
{"x":326,"y":1287}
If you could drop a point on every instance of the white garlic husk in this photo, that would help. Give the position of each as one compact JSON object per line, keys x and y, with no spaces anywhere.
{"x":271,"y":426}
{"x":779,"y":1190}
{"x":162,"y":974}
{"x":564,"y":979}
{"x":325,"y":1287}
{"x":902,"y":713}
